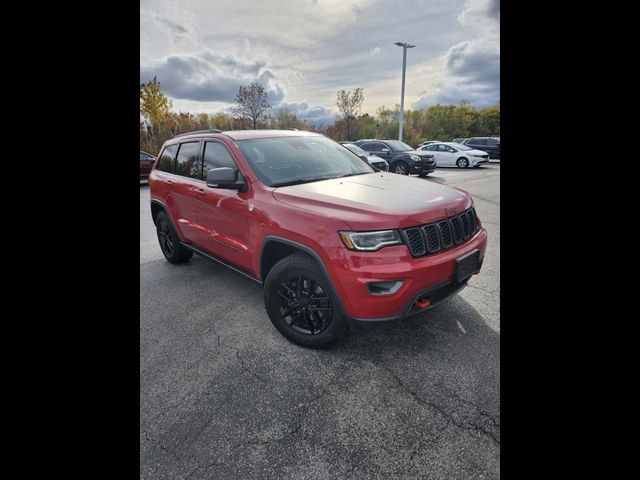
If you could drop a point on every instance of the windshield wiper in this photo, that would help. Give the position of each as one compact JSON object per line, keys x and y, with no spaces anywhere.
{"x":350,"y":174}
{"x":299,"y":181}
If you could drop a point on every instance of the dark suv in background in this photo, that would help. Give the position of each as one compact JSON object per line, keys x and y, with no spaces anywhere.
{"x":491,"y":145}
{"x":402,"y":159}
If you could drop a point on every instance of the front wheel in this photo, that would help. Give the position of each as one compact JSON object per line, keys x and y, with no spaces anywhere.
{"x":300,"y":303}
{"x":400,"y":168}
{"x":462,"y":163}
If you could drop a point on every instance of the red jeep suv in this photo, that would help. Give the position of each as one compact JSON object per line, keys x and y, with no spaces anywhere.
{"x":334,"y":242}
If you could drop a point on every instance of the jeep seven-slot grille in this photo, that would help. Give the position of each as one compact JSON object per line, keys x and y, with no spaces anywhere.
{"x":433,"y":237}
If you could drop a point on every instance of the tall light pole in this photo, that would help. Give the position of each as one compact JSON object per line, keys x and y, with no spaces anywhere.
{"x":404,"y":46}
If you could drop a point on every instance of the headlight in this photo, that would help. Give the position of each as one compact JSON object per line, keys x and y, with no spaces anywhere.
{"x":370,"y":241}
{"x":415,"y":158}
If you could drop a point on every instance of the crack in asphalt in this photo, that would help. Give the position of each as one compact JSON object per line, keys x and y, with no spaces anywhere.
{"x":434,"y":406}
{"x":253,"y":442}
{"x":248,"y":370}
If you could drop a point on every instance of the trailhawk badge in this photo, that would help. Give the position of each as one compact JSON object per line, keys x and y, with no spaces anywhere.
{"x":450,"y":211}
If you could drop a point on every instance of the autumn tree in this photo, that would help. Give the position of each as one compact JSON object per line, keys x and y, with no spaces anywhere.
{"x":155,"y":113}
{"x":154,"y":105}
{"x":252,"y":103}
{"x":349,"y":104}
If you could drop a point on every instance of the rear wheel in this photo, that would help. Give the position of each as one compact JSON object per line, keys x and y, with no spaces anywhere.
{"x":401,"y":168}
{"x":169,"y":241}
{"x":300,"y":303}
{"x":462,"y":162}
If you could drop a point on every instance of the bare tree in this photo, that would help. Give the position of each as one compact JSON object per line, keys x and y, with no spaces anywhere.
{"x":252,"y":102}
{"x":349,"y":104}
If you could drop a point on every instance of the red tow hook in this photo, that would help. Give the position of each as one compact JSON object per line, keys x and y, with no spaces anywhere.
{"x":424,"y":303}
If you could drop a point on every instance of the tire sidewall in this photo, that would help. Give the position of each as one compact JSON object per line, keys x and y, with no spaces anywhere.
{"x":403,"y":164}
{"x":287,"y":269}
{"x":179,"y":254}
{"x":460,"y":160}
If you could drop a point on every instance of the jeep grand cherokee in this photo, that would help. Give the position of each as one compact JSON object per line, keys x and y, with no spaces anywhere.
{"x":334,"y":242}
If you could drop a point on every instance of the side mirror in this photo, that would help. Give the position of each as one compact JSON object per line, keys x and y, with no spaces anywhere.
{"x":225,"y":177}
{"x":385,"y":150}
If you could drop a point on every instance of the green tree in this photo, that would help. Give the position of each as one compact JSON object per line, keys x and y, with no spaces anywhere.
{"x":349,"y":104}
{"x":252,"y":103}
{"x":284,"y":118}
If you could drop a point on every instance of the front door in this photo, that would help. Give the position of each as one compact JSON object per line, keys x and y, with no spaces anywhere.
{"x":221,"y":214}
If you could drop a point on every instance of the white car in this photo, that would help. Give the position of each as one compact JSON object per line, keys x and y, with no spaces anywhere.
{"x":450,"y":154}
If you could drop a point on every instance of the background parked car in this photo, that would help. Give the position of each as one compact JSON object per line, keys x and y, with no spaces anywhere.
{"x":459,"y":140}
{"x":450,"y":154}
{"x":373,"y":160}
{"x":402,"y":159}
{"x":146,"y":162}
{"x":491,"y":145}
{"x":427,"y":143}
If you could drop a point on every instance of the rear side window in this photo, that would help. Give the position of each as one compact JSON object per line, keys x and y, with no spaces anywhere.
{"x":430,"y":148}
{"x":166,"y":160}
{"x":478,"y":141}
{"x":369,"y":147}
{"x":492,"y":141}
{"x":216,"y":155}
{"x":188,"y":163}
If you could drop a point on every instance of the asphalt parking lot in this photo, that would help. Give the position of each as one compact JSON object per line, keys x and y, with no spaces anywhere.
{"x":223,"y":395}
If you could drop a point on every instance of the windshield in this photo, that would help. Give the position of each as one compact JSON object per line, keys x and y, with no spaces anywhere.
{"x":355,"y":149}
{"x":292,"y":160}
{"x":397,"y":146}
{"x":459,"y":146}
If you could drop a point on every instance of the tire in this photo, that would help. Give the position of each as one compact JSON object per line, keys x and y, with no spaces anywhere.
{"x":462,"y":162}
{"x":318,"y":323}
{"x":400,"y":167}
{"x":169,"y":241}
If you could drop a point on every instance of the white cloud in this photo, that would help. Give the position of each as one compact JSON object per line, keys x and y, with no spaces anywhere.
{"x":305,"y":52}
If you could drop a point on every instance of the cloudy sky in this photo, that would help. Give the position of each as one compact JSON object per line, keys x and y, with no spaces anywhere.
{"x":304,"y":51}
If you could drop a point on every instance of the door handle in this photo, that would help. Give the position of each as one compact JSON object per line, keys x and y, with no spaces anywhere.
{"x":170,"y":182}
{"x":198,"y":190}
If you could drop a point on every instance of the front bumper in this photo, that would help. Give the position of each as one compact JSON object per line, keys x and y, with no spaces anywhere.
{"x":430,"y":276}
{"x":423,"y":167}
{"x":383,"y":166}
{"x":479,"y":160}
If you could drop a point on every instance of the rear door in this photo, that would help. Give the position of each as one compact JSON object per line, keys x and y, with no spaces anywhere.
{"x":432,"y":148}
{"x":377,"y":148}
{"x":478,"y":143}
{"x":220,"y":216}
{"x":187,"y":188}
{"x":445,"y":157}
{"x":492,"y":147}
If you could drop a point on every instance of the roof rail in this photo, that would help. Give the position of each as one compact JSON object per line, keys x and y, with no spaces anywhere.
{"x":211,"y":130}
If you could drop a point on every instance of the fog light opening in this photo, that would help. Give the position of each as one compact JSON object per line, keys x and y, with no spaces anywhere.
{"x":384,"y":288}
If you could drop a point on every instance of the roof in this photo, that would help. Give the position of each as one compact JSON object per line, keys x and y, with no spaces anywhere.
{"x":253,"y":134}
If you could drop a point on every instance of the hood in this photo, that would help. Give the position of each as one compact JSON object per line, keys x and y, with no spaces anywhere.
{"x":422,"y":153}
{"x":376,"y":159}
{"x":376,"y":200}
